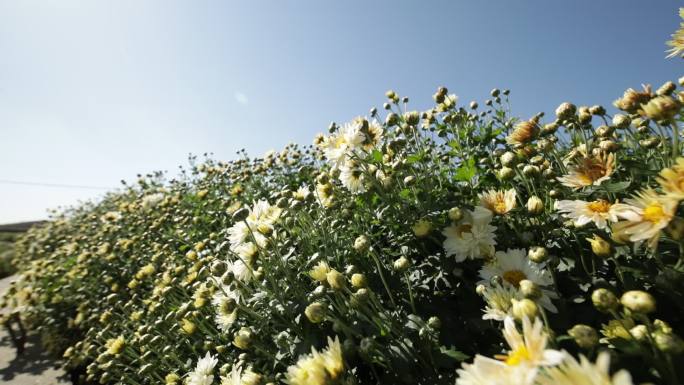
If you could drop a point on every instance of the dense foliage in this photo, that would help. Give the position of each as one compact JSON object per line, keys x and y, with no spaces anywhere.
{"x":396,"y":249}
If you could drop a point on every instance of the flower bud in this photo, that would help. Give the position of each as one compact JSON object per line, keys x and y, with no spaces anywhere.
{"x":391,"y":119}
{"x":412,"y":117}
{"x":422,"y":228}
{"x":604,"y":300}
{"x":506,"y":173}
{"x":361,"y":243}
{"x":524,"y":308}
{"x":600,"y":246}
{"x":240,"y":215}
{"x":315,"y":312}
{"x":651,"y":142}
{"x":538,"y":254}
{"x":336,"y":280}
{"x":360,"y":297}
{"x":639,"y":332}
{"x":531,"y":170}
{"x":609,"y":146}
{"x":666,"y":89}
{"x":401,"y":264}
{"x":358,"y":281}
{"x":455,"y":214}
{"x":597,"y":110}
{"x":585,"y":336}
{"x":508,"y":158}
{"x":660,"y":108}
{"x":638,"y":301}
{"x":621,"y":121}
{"x":668,"y":343}
{"x":535,"y":205}
{"x":243,"y":338}
{"x":565,"y":111}
{"x":529,"y":289}
{"x":434,"y":322}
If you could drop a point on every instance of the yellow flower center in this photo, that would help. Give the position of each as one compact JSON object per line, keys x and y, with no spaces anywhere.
{"x":514,"y":277}
{"x":518,"y":356}
{"x":654,"y":213}
{"x":500,"y":207}
{"x":599,"y":206}
{"x":464,"y":228}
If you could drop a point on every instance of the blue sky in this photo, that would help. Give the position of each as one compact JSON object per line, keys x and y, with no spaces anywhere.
{"x":92,"y":92}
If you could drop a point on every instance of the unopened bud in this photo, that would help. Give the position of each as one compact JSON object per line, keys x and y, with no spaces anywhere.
{"x":600,"y":246}
{"x":585,"y":336}
{"x":401,"y":264}
{"x":315,"y":312}
{"x":535,"y":205}
{"x":358,"y":281}
{"x":530,"y":289}
{"x":524,"y":308}
{"x":538,"y":254}
{"x":361,"y":243}
{"x":604,"y":300}
{"x":336,"y":280}
{"x":638,"y":301}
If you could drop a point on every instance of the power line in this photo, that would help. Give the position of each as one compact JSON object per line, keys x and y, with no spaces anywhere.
{"x":58,"y":185}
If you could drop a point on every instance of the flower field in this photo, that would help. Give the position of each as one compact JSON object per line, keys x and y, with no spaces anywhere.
{"x":453,"y":245}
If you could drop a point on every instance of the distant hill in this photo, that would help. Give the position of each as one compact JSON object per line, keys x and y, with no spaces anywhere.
{"x":19,"y":227}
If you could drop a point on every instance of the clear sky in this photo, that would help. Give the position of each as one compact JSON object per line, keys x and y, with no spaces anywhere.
{"x":92,"y":92}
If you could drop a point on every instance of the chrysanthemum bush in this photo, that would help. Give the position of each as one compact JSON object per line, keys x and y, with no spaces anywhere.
{"x":453,"y":245}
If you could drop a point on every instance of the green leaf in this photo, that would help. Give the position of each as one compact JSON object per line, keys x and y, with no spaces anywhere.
{"x":453,"y":353}
{"x":377,"y":156}
{"x":615,"y":187}
{"x":467,"y":171}
{"x":413,"y":158}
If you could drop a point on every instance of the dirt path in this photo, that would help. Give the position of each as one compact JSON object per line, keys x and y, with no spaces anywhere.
{"x":34,"y":367}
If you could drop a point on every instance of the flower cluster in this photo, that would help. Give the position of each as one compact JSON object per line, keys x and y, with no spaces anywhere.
{"x":395,"y":249}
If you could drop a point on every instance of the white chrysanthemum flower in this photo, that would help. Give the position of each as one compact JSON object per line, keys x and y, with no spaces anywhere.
{"x":352,"y":178}
{"x":571,"y":372}
{"x":302,"y":193}
{"x":473,"y":237}
{"x":513,"y":266}
{"x":520,"y":366}
{"x":258,"y":222}
{"x":318,"y":368}
{"x":599,"y":212}
{"x":324,"y":194}
{"x":589,"y":170}
{"x":152,"y":200}
{"x":224,"y":301}
{"x":498,"y":299}
{"x":237,"y":376}
{"x":529,"y":348}
{"x":488,"y":371}
{"x":335,"y":148}
{"x":353,"y":135}
{"x":247,"y":251}
{"x":646,"y":215}
{"x":204,"y":371}
{"x":241,"y":270}
{"x":499,"y":202}
{"x":238,"y":233}
{"x":373,"y":136}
